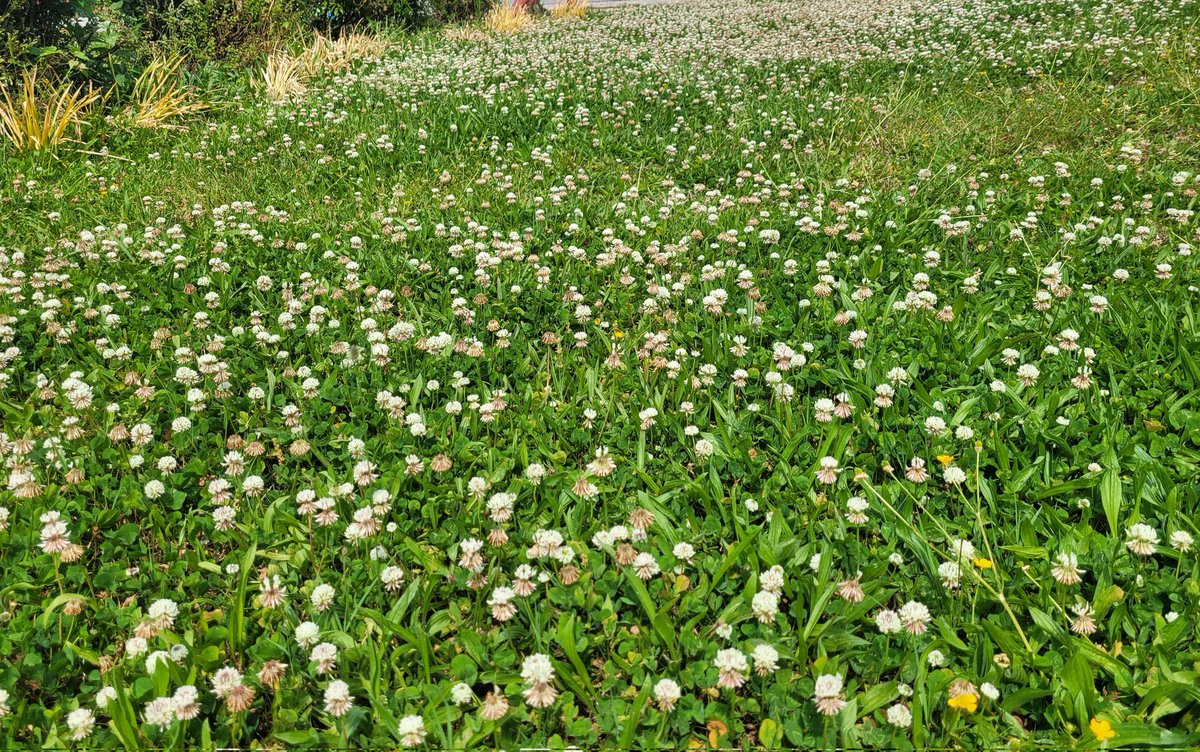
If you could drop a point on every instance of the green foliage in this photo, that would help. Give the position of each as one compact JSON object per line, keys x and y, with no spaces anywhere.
{"x":705,"y":328}
{"x":111,"y":42}
{"x":241,"y":31}
{"x":83,"y":39}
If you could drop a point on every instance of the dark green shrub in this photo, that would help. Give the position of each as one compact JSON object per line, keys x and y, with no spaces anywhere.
{"x":232,"y":30}
{"x":452,"y":11}
{"x":80,"y":38}
{"x":109,"y":42}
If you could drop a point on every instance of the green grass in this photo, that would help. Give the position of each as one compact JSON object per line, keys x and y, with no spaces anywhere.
{"x":687,"y":209}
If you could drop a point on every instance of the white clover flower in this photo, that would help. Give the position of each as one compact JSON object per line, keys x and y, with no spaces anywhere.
{"x":136,"y":646}
{"x":888,"y":621}
{"x":411,"y":730}
{"x":322,"y":596}
{"x":666,"y":694}
{"x":766,"y":659}
{"x":1181,"y":541}
{"x":461,"y":694}
{"x":537,"y":669}
{"x":899,"y":715}
{"x":81,"y":721}
{"x":307,"y":634}
{"x":954,"y":475}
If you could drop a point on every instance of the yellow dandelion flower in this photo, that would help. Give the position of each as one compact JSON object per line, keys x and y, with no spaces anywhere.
{"x":983,"y":563}
{"x":968,"y":703}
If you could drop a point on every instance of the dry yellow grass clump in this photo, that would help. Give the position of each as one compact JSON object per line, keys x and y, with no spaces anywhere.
{"x":328,"y":55}
{"x":322,"y":56}
{"x":283,"y":77}
{"x":286,"y":75}
{"x":506,"y":18}
{"x":570,"y":9}
{"x":359,"y":45}
{"x":40,"y":116}
{"x":158,"y":97}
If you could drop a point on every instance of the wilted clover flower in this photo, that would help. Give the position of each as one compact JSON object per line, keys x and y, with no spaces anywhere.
{"x":856,"y":510}
{"x":1141,"y":539}
{"x":494,"y":706}
{"x":1028,"y":374}
{"x":337,"y":698}
{"x":1066,"y":569}
{"x":645,"y":566}
{"x":731,"y":666}
{"x":186,"y":701}
{"x":392,"y":577}
{"x":538,"y":672}
{"x":470,"y":557}
{"x":828,"y":471}
{"x":915,"y":617}
{"x":225,"y":681}
{"x":827,"y":694}
{"x":160,"y":712}
{"x":325,"y":656}
{"x":272,"y":592}
{"x":501,"y":603}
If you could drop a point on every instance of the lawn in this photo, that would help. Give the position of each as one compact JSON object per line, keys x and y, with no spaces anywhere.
{"x":748,"y":374}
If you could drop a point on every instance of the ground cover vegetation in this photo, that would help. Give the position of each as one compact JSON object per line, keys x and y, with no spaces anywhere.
{"x":751,"y":374}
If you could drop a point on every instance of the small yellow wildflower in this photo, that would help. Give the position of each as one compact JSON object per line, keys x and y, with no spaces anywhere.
{"x":983,"y":563}
{"x":945,"y":459}
{"x":1102,"y":729}
{"x":967,"y":703}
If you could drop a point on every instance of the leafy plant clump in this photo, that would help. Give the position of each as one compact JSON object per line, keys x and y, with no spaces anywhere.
{"x":700,"y":375}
